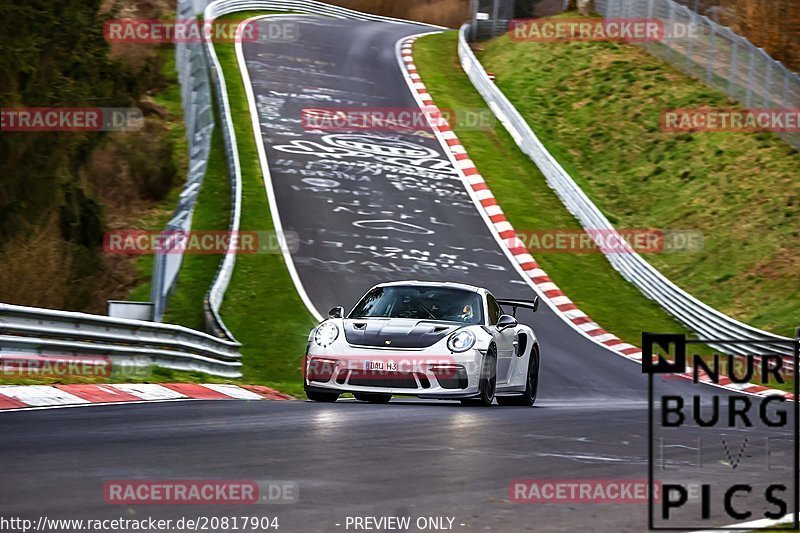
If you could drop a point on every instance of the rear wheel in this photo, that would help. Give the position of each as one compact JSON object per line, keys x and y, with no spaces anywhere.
{"x":488,"y":382}
{"x":372,"y":397}
{"x":326,"y":397}
{"x":528,"y":398}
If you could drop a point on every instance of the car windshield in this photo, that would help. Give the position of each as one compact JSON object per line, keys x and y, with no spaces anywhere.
{"x":424,"y":303}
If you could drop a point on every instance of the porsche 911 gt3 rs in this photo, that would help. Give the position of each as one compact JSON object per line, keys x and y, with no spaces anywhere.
{"x":430,"y":340}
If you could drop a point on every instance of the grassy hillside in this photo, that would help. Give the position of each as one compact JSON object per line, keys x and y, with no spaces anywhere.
{"x":598,"y":107}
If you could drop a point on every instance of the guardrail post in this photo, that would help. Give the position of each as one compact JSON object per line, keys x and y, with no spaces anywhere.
{"x":690,"y":47}
{"x":794,"y":371}
{"x":157,"y":292}
{"x":495,"y":16}
{"x":748,"y":102}
{"x":786,"y":92}
{"x":474,"y":27}
{"x":671,"y":25}
{"x":732,"y":75}
{"x":155,"y":286}
{"x":711,"y":53}
{"x":768,"y":83}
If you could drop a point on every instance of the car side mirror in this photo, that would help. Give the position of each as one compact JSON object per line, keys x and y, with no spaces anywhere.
{"x":505,"y":322}
{"x":336,"y":312}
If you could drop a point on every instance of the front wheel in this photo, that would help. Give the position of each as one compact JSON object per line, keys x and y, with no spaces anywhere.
{"x":528,"y":398}
{"x":372,"y":397}
{"x":488,"y":383}
{"x":325,"y":397}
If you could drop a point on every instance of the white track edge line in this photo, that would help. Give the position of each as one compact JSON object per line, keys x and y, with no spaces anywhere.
{"x":93,"y":404}
{"x":267,"y":176}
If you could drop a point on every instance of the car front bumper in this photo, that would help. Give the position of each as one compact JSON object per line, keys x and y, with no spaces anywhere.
{"x":415,"y":374}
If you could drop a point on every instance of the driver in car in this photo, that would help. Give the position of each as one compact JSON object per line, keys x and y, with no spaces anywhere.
{"x":409,"y":308}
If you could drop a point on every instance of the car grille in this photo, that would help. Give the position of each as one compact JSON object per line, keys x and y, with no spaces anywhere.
{"x":389,"y":380}
{"x":452,"y":377}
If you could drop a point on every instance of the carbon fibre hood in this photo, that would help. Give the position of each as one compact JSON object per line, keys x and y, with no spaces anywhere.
{"x":396,"y":332}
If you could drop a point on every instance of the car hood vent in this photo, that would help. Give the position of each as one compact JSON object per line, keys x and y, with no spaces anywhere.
{"x":395,"y":332}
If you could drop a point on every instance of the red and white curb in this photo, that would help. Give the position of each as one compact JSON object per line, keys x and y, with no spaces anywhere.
{"x":565,"y":307}
{"x":13,"y":397}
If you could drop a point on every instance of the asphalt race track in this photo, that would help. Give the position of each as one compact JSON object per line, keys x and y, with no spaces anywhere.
{"x":370,"y":207}
{"x":360,"y":224}
{"x":350,"y":459}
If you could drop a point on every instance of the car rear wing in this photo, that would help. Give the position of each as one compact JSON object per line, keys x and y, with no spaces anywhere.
{"x":533,"y":305}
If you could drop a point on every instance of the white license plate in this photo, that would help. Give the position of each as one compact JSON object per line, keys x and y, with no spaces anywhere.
{"x":380,"y":365}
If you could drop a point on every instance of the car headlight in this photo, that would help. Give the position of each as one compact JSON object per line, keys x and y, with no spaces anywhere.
{"x":326,"y":333}
{"x":461,"y":341}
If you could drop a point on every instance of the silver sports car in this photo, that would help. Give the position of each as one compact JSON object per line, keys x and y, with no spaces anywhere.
{"x":431,"y":340}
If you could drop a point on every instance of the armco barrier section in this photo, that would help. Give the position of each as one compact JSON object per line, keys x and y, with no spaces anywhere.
{"x":28,"y":331}
{"x":694,"y":314}
{"x":190,"y":62}
{"x":311,"y":7}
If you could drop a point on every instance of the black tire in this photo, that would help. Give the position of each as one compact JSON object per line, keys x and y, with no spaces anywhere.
{"x":325,"y":397}
{"x":372,"y":397}
{"x":528,"y":398}
{"x":488,"y":383}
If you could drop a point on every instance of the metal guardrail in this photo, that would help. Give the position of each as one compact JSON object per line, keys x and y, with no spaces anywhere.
{"x":312,"y":7}
{"x":137,"y":343}
{"x":195,"y":69}
{"x":214,"y":297}
{"x":191,"y":64}
{"x":694,"y":314}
